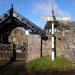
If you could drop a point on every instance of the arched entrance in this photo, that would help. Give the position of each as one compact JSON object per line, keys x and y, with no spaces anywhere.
{"x":17,"y":49}
{"x":18,"y":36}
{"x":9,"y":22}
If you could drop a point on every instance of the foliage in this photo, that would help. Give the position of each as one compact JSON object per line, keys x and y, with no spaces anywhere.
{"x":45,"y":63}
{"x":73,"y":29}
{"x":39,"y":64}
{"x":49,"y":25}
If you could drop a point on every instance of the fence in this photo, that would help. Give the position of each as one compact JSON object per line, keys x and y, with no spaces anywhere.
{"x":7,"y":52}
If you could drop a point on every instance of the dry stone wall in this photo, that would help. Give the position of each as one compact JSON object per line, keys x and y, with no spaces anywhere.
{"x":46,"y":46}
{"x":34,"y":46}
{"x":65,"y":45}
{"x":69,"y":45}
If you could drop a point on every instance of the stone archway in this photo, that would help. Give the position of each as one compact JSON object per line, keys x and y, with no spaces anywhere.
{"x":19,"y":39}
{"x":17,"y":36}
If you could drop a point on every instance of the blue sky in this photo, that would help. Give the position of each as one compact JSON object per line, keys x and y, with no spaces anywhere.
{"x":33,"y":9}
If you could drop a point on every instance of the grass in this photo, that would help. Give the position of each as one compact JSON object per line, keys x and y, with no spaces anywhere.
{"x":45,"y":63}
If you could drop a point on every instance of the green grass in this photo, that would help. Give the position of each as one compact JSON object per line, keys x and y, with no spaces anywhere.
{"x":40,"y":64}
{"x":45,"y":63}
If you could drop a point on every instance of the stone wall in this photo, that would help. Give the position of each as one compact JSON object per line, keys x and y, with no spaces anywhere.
{"x":69,"y":45}
{"x":34,"y":46}
{"x":46,"y":46}
{"x":33,"y":43}
{"x":65,"y":45}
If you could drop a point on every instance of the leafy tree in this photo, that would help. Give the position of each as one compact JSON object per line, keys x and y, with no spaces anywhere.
{"x":49,"y":25}
{"x":73,"y":29}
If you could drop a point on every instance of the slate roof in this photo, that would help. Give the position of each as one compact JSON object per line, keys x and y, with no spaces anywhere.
{"x":12,"y":13}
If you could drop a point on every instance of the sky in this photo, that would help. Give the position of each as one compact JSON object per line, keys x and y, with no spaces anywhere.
{"x":34,"y":9}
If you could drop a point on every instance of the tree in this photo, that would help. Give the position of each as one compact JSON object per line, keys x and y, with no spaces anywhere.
{"x":48,"y":25}
{"x":73,"y":29}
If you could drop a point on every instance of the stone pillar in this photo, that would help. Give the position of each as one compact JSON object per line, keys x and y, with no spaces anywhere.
{"x":34,"y":46}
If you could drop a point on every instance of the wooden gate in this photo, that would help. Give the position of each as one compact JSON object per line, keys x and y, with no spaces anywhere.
{"x":21,"y":52}
{"x":7,"y":52}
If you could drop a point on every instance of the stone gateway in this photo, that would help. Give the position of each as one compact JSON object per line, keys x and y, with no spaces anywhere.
{"x":23,"y":40}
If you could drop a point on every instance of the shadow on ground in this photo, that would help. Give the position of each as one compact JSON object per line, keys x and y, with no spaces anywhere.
{"x":18,"y":68}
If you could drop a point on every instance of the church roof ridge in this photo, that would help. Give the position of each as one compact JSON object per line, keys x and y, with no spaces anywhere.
{"x":13,"y":13}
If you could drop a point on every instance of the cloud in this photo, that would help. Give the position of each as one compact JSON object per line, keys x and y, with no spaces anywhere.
{"x":41,"y":7}
{"x":44,"y":7}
